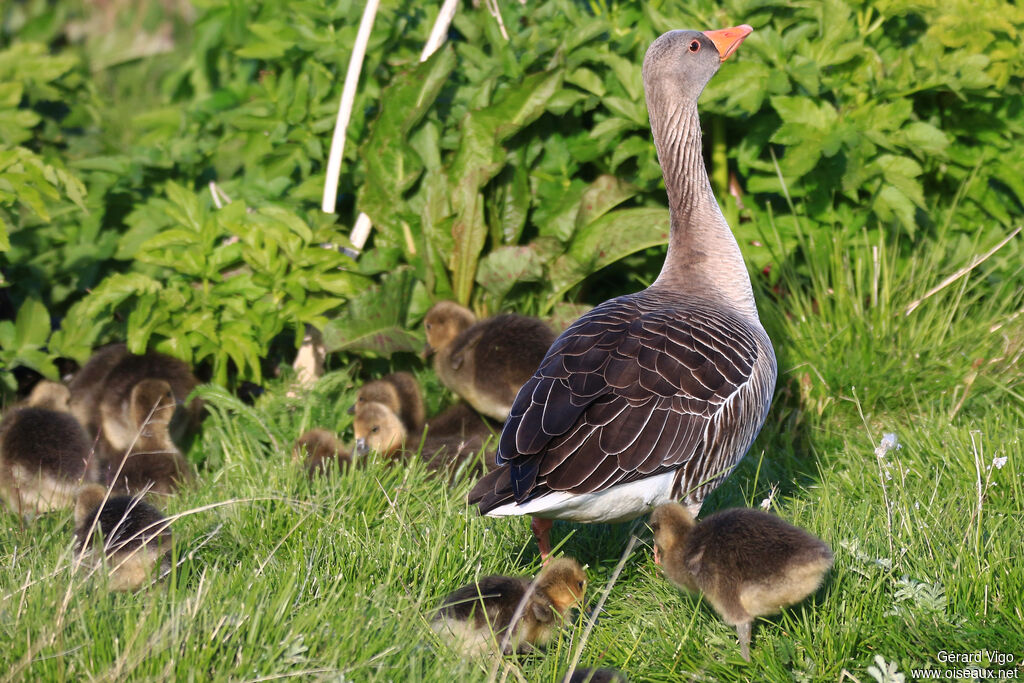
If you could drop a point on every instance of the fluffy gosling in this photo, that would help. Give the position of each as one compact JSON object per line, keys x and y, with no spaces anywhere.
{"x":486,"y":362}
{"x":748,"y":563}
{"x":320,"y":451}
{"x":44,"y":456}
{"x":136,"y":537}
{"x":476,"y":617}
{"x":400,"y":392}
{"x":153,"y":462}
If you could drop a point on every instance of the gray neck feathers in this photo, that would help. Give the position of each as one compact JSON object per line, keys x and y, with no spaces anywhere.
{"x":703,"y":257}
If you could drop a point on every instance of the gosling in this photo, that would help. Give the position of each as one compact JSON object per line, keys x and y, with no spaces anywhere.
{"x":44,"y":456}
{"x":320,"y":451}
{"x":748,"y":563}
{"x":486,"y":362}
{"x":475,"y":617}
{"x":136,"y":537}
{"x":151,"y":462}
{"x":400,"y":392}
{"x":452,"y":437}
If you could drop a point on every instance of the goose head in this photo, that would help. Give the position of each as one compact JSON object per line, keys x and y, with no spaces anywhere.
{"x":680,"y":63}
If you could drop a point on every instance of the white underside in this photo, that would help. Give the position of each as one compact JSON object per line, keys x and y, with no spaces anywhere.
{"x":617,"y":504}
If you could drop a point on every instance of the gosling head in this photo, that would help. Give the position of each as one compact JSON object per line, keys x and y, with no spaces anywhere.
{"x":671,"y":524}
{"x":152,"y":403}
{"x":377,"y":391}
{"x":563,"y":582}
{"x":377,"y":428}
{"x":444,"y":322}
{"x":50,"y":395}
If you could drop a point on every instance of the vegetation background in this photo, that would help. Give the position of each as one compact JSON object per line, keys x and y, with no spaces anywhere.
{"x":867,"y":154}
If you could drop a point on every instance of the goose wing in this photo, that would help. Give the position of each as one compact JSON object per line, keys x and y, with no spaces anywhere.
{"x":641,"y":385}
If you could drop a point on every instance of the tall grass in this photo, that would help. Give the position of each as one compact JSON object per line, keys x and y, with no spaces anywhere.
{"x":335,"y":579}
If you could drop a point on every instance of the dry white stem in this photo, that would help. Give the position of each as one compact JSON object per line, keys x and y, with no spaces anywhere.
{"x":309,"y":361}
{"x":348,"y":97}
{"x":360,"y":232}
{"x":440,"y":30}
{"x":975,"y":262}
{"x":492,"y":6}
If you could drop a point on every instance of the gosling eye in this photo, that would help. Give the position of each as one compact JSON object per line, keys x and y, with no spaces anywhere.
{"x":375,"y":430}
{"x":581,"y":584}
{"x":695,"y":46}
{"x":427,"y":326}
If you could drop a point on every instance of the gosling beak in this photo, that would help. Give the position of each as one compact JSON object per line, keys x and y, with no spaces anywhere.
{"x":657,"y":559}
{"x":361,"y":448}
{"x":428,"y":351}
{"x":351,"y":409}
{"x":728,"y":39}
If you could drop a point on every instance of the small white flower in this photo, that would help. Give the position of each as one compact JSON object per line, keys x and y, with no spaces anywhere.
{"x":889,"y":442}
{"x":999,"y":462}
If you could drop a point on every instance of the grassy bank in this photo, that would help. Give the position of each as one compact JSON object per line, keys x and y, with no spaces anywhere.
{"x":334,"y":579}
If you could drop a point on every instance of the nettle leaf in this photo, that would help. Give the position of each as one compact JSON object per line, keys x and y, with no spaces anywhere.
{"x":607,"y":240}
{"x":31,"y":325}
{"x":504,"y":267}
{"x":375,"y":321}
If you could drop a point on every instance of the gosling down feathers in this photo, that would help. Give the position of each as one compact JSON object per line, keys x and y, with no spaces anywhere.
{"x":400,"y":392}
{"x":654,"y":396}
{"x":44,"y":454}
{"x":320,"y":451}
{"x":151,"y":460}
{"x":477,"y":616}
{"x":485,"y":362}
{"x":135,"y":536}
{"x":747,"y":563}
{"x":451,"y":437}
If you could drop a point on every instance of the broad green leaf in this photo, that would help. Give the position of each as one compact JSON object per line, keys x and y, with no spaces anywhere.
{"x":375,"y":320}
{"x":31,"y":325}
{"x":607,"y":240}
{"x":503,"y":267}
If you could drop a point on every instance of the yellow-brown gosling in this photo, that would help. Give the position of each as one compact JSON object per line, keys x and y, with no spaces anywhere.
{"x":747,"y":563}
{"x":399,"y":391}
{"x":476,"y":617}
{"x":451,"y":437}
{"x":136,"y":538}
{"x":44,"y":456}
{"x":485,"y":362}
{"x":101,"y":392}
{"x":320,"y":452}
{"x":151,"y":460}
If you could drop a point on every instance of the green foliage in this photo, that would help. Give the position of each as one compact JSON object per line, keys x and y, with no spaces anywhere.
{"x":219,"y":286}
{"x":501,"y":173}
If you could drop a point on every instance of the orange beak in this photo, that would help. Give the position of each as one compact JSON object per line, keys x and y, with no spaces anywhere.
{"x":728,"y":39}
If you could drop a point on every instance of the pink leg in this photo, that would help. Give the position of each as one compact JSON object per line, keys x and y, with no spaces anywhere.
{"x":541,"y":529}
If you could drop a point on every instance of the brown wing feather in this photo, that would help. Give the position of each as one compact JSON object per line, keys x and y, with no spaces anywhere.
{"x":641,"y":385}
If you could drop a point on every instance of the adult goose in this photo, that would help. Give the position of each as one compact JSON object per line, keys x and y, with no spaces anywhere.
{"x":654,"y":396}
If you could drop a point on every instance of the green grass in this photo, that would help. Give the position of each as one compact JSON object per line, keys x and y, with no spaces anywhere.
{"x":335,"y":579}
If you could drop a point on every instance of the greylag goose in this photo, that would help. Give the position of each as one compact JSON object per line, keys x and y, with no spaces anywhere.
{"x":653,"y":396}
{"x":485,"y":362}
{"x":476,"y":617}
{"x":101,"y":392}
{"x":451,"y":437}
{"x":747,"y":563}
{"x":150,"y":461}
{"x":399,"y":391}
{"x":136,"y":537}
{"x":319,"y":451}
{"x":44,"y":456}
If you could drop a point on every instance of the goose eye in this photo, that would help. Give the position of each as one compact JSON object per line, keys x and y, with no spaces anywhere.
{"x":695,"y":46}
